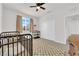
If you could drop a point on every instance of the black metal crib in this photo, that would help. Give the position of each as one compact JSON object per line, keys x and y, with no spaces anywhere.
{"x":15,"y":44}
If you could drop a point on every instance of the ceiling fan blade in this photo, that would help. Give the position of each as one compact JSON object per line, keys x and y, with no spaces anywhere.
{"x":36,"y":9}
{"x":32,"y":6}
{"x":39,"y":4}
{"x":42,"y":8}
{"x":42,"y":3}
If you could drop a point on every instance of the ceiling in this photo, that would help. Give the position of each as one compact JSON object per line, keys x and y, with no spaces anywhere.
{"x":50,"y":8}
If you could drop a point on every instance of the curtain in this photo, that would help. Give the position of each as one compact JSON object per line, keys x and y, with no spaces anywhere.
{"x":18,"y":24}
{"x":31,"y":25}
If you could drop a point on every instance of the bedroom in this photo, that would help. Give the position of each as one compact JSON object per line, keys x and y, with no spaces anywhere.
{"x":51,"y":22}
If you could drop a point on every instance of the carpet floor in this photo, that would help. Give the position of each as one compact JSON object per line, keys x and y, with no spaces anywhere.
{"x":44,"y":47}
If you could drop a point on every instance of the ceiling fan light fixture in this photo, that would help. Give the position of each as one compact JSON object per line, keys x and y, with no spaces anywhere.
{"x":38,"y":7}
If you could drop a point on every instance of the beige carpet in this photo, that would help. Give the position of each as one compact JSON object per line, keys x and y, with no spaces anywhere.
{"x":44,"y":47}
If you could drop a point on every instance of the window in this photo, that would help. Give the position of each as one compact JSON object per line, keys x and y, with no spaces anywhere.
{"x":25,"y":23}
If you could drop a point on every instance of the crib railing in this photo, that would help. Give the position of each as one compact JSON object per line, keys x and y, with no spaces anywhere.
{"x":16,"y":44}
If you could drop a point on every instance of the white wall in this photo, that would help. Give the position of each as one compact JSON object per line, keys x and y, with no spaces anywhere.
{"x":0,"y":17}
{"x":47,"y":27}
{"x":71,"y":22}
{"x":60,"y":28}
{"x":72,"y":25}
{"x":52,"y":27}
{"x":9,"y":19}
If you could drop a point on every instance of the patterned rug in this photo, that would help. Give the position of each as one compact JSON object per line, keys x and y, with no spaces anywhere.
{"x":44,"y":47}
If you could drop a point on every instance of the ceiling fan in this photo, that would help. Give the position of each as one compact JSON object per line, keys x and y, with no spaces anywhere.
{"x":39,"y":6}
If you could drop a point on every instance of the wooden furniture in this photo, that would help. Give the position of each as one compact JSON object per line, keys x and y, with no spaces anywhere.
{"x":74,"y":45}
{"x":36,"y":34}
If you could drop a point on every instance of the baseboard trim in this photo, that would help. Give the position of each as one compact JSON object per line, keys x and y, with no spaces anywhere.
{"x":55,"y":41}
